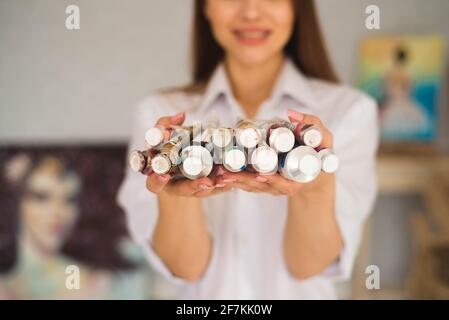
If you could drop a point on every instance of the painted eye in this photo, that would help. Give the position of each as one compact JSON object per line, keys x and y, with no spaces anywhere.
{"x":72,"y":200}
{"x":38,"y":196}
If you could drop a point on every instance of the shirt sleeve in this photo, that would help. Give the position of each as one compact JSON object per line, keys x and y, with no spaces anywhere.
{"x":355,"y":143}
{"x":140,"y":205}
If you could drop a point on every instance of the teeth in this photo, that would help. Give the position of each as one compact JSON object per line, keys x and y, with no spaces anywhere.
{"x":252,"y":34}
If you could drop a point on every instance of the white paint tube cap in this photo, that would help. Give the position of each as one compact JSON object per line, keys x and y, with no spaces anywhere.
{"x":248,"y":137}
{"x":192,"y":166}
{"x":154,"y":136}
{"x":160,"y":164}
{"x":264,"y":159}
{"x":330,"y":163}
{"x":309,"y":164}
{"x":313,"y":137}
{"x":136,"y":161}
{"x":221,"y":137}
{"x":282,"y":139}
{"x":235,"y":159}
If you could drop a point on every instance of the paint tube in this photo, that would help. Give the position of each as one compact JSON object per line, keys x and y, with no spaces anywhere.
{"x":139,"y":161}
{"x":264,"y":160}
{"x":302,"y":164}
{"x":234,"y":159}
{"x":247,"y":134}
{"x":196,"y":163}
{"x":329,"y":160}
{"x":154,"y":137}
{"x":310,"y":135}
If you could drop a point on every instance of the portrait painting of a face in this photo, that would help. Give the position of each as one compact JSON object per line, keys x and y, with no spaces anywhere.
{"x":57,"y":210}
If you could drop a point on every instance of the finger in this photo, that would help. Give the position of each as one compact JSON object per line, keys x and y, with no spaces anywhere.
{"x":295,"y":116}
{"x":168,"y":122}
{"x":157,"y":182}
{"x":177,"y":119}
{"x":282,"y":185}
{"x":187,"y":187}
{"x":216,"y":172}
{"x":302,"y":119}
{"x":211,"y":192}
{"x":246,"y":181}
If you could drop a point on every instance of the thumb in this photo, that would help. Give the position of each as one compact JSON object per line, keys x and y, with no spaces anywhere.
{"x":296,"y":118}
{"x":178,"y":118}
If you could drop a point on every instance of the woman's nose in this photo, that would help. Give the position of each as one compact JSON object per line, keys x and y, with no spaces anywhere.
{"x":251,"y":9}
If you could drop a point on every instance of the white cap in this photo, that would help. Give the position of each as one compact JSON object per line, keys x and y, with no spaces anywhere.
{"x":192,"y":166}
{"x":196,"y":160}
{"x":136,"y":161}
{"x":330,"y":163}
{"x":264,"y":159}
{"x":282,"y":139}
{"x":160,"y":164}
{"x":154,"y":136}
{"x":235,"y":159}
{"x":248,"y":137}
{"x":309,"y":164}
{"x":312,"y":137}
{"x":221,"y":137}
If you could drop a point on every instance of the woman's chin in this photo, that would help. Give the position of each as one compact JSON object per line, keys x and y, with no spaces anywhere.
{"x":48,"y":245}
{"x":252,"y":58}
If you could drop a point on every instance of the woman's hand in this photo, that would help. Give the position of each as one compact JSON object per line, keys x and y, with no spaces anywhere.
{"x":312,"y":238}
{"x":163,"y":183}
{"x":276,"y":184}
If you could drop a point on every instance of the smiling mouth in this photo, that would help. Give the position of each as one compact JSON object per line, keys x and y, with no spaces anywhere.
{"x":252,"y":36}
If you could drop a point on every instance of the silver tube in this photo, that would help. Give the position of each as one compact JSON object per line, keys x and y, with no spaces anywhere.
{"x":182,"y":135}
{"x":311,"y":136}
{"x":154,"y":137}
{"x":221,"y":137}
{"x":161,"y":164}
{"x":235,"y":159}
{"x":281,"y":139}
{"x":139,"y":161}
{"x":264,"y":160}
{"x":301,"y":164}
{"x":197,"y":162}
{"x":247,"y":134}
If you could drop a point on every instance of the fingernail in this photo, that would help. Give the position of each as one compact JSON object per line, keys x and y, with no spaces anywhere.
{"x":220,"y":171}
{"x":298,"y":116}
{"x":205,"y":187}
{"x":229,"y":180}
{"x":177,"y":117}
{"x":261,"y":179}
{"x":220,"y":185}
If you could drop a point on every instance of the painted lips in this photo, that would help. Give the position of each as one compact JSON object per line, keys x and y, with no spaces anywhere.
{"x":252,"y":37}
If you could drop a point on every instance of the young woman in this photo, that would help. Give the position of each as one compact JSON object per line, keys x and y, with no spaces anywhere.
{"x":242,"y":235}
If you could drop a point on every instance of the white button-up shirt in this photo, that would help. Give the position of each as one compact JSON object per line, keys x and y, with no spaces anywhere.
{"x":247,"y":228}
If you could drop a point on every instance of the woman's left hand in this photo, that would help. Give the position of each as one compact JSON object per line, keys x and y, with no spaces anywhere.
{"x":276,"y":184}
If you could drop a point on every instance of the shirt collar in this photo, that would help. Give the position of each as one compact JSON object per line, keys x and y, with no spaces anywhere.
{"x":291,"y":83}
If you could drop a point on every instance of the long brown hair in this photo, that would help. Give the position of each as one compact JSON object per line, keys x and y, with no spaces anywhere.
{"x":305,"y":48}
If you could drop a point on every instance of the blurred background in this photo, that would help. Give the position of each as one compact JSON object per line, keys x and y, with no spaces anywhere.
{"x":66,"y":104}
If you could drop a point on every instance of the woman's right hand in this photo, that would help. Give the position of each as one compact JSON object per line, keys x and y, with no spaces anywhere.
{"x":203,"y":187}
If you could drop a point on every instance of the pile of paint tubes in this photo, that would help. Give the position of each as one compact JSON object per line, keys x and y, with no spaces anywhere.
{"x":263,"y":147}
